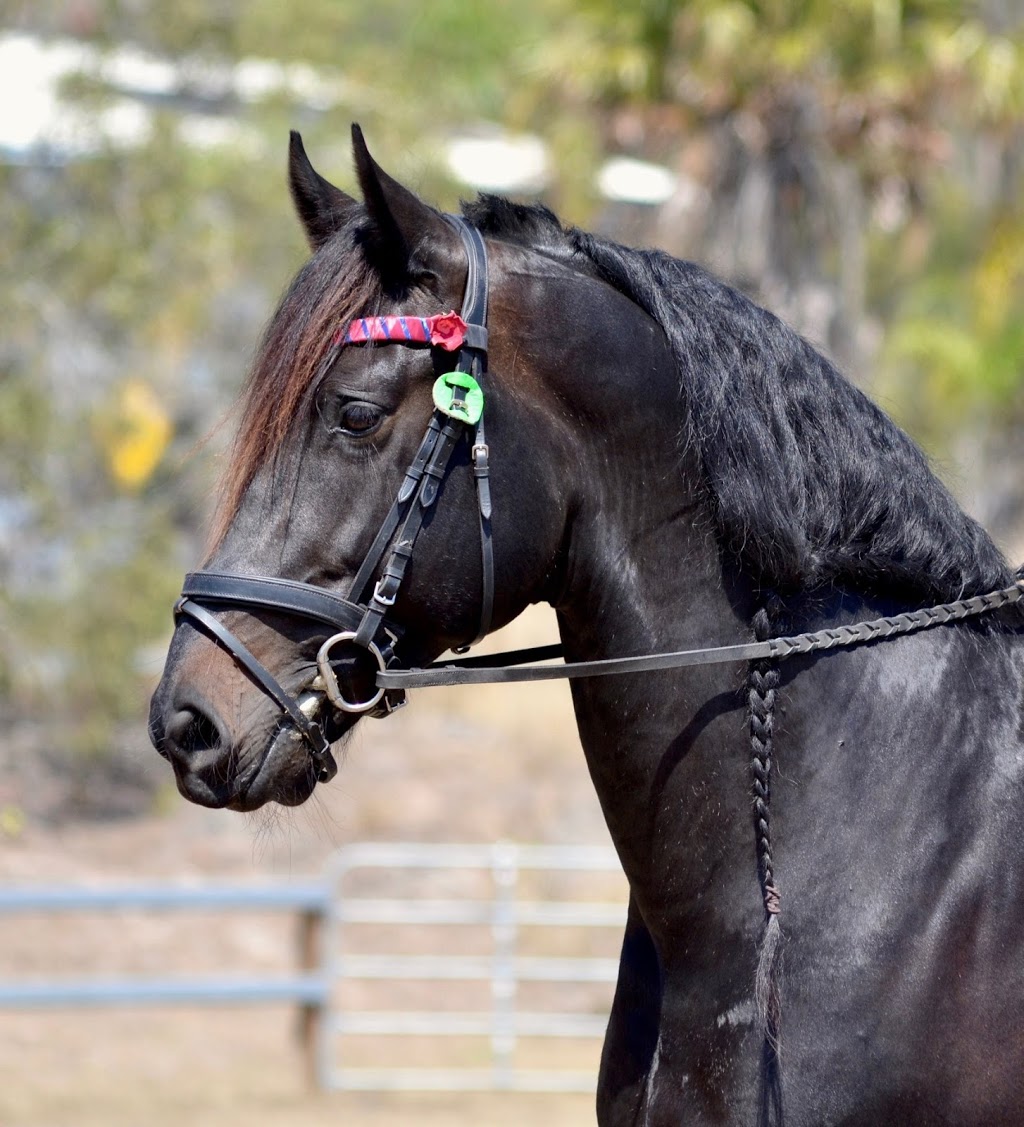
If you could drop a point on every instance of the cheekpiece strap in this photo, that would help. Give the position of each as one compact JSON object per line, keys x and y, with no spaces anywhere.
{"x":474,"y":306}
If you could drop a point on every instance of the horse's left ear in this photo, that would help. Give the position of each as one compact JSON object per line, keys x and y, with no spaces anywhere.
{"x":407,"y":235}
{"x":322,"y":208}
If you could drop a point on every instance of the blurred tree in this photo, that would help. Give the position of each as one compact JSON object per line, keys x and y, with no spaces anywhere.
{"x":855,"y":166}
{"x":818,"y":132}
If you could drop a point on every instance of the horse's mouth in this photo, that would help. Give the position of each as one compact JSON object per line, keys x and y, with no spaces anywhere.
{"x":287,"y":772}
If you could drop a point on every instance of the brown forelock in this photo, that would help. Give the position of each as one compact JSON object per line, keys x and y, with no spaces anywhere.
{"x":334,"y":287}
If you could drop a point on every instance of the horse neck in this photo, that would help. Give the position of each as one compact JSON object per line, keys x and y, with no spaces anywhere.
{"x":645,"y":575}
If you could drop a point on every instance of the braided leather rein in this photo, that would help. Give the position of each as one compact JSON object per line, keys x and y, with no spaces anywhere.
{"x":484,"y":671}
{"x":906,"y":623}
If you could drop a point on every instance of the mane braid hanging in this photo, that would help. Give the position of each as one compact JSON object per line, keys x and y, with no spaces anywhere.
{"x":762,"y":683}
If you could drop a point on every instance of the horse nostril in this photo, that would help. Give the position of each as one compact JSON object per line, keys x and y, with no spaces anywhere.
{"x":190,"y":731}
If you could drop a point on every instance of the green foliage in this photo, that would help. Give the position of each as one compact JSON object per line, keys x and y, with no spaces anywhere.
{"x":910,"y":94}
{"x":80,"y":657}
{"x":955,"y":353}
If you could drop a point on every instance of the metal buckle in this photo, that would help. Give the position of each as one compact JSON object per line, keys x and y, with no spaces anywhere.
{"x":330,"y":680}
{"x":384,"y":600}
{"x":394,"y":699}
{"x":480,"y":452}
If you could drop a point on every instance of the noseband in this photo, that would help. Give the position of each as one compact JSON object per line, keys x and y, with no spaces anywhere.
{"x":358,"y":622}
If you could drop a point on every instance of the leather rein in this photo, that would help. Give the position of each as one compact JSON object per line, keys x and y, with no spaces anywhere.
{"x":363,"y":623}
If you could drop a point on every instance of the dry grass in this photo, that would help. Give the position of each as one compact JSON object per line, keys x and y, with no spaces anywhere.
{"x":156,"y":1067}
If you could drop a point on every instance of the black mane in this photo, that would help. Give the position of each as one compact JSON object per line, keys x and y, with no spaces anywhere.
{"x":812,"y":483}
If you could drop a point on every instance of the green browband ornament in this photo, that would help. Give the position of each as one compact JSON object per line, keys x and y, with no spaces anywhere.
{"x":459,"y":395}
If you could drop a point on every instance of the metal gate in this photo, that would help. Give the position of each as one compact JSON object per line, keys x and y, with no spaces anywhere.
{"x":445,"y":960}
{"x":503,"y":954}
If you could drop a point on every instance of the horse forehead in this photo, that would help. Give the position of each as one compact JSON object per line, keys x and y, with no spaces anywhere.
{"x":373,"y":366}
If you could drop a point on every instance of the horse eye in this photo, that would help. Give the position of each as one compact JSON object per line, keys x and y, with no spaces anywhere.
{"x":359,"y":418}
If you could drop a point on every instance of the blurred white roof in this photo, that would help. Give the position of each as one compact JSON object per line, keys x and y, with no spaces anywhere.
{"x":499,"y":162}
{"x":636,"y":181}
{"x":38,"y":119}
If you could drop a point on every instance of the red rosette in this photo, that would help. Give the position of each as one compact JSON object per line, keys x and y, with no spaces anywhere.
{"x":447,"y":331}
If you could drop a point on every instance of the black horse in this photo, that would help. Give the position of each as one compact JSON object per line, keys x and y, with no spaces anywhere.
{"x":670,"y":466}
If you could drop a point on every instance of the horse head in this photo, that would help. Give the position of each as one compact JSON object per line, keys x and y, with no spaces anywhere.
{"x":333,"y":454}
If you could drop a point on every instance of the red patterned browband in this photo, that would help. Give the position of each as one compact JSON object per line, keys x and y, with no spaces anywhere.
{"x":445,"y":330}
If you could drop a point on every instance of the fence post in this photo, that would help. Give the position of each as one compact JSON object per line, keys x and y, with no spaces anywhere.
{"x":505,"y":873}
{"x":311,"y":1014}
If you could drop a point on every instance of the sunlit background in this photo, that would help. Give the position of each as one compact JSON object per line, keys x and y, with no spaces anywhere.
{"x":857,"y":167}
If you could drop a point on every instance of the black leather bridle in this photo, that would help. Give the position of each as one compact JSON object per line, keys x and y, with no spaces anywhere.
{"x":362,"y":623}
{"x":357,"y":621}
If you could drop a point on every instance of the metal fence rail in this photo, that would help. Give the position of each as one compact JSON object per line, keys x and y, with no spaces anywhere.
{"x":305,"y":897}
{"x":502,"y":1023}
{"x":304,"y":989}
{"x":308,"y":988}
{"x":331,"y":913}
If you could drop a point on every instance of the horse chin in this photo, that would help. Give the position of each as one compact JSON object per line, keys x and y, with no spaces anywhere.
{"x":286,"y":774}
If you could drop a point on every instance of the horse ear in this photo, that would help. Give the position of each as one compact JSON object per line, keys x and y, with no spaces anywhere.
{"x":401,"y":221}
{"x":322,"y":208}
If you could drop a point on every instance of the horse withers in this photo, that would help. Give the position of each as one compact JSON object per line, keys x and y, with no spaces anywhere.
{"x":669,"y":467}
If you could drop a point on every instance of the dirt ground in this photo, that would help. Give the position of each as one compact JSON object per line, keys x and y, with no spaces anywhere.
{"x":470,"y":767}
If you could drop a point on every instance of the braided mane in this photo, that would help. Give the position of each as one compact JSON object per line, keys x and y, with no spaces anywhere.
{"x":812,"y":483}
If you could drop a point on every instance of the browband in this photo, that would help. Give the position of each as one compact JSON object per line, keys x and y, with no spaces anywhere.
{"x":444,"y":330}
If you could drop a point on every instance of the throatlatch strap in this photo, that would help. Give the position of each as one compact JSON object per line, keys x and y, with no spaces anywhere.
{"x":473,"y":359}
